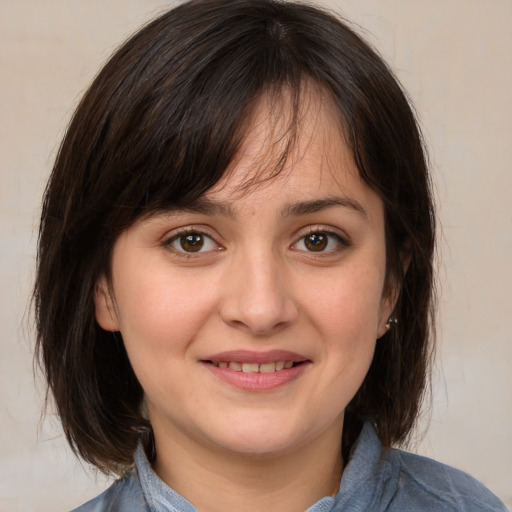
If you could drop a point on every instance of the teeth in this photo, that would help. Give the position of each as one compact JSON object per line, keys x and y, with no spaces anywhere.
{"x":267,"y":367}
{"x":250,"y":367}
{"x":255,"y":367}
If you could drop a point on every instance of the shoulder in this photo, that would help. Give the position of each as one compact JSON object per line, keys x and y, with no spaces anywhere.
{"x":392,"y":480}
{"x":431,"y":485}
{"x":124,"y":494}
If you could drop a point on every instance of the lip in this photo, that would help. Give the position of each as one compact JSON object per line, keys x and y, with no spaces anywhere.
{"x":256,"y":382}
{"x":249,"y":356}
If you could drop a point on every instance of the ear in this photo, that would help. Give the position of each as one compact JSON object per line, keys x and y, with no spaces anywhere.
{"x":390,"y":296}
{"x":387,"y":305}
{"x":105,"y":311}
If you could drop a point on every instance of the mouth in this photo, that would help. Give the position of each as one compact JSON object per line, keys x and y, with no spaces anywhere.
{"x":257,"y":371}
{"x":245,"y":367}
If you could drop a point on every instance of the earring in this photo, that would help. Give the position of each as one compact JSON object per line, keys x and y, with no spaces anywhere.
{"x":393,"y":320}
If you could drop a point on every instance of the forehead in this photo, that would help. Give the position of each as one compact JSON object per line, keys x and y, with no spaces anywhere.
{"x":291,"y":140}
{"x":293,"y":161}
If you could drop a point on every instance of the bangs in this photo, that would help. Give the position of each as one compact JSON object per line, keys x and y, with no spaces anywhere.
{"x":179,"y":130}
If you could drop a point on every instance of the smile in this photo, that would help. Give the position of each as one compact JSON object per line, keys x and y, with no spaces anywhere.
{"x":256,"y":371}
{"x":270,"y":367}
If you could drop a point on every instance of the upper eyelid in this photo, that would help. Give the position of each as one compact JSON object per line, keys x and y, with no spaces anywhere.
{"x":169,"y":240}
{"x":341,"y":239}
{"x":183,"y":230}
{"x":330,"y":230}
{"x":214,"y":234}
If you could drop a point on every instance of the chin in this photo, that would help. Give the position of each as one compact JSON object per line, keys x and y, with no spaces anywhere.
{"x":263,"y":437}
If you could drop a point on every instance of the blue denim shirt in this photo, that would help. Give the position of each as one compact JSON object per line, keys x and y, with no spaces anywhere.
{"x":375,"y":479}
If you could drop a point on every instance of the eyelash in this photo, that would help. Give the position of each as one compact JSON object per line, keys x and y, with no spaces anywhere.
{"x":341,"y":242}
{"x":189,"y":231}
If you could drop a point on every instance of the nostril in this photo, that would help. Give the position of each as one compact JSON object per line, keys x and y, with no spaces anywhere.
{"x":258,"y":304}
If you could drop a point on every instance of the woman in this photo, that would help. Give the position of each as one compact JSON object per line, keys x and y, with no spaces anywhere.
{"x":234,"y":287}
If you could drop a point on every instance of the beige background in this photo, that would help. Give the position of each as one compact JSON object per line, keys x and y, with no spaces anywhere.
{"x":454,"y":57}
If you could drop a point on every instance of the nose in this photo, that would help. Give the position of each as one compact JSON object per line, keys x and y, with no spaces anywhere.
{"x":257,"y":296}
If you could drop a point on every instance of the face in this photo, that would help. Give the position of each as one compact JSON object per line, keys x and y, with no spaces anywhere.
{"x":250,"y":319}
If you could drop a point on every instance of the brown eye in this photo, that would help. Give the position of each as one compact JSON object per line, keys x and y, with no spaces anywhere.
{"x":191,"y":242}
{"x":321,"y":242}
{"x":316,"y":242}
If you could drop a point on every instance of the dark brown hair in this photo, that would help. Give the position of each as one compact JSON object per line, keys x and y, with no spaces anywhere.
{"x":158,"y":127}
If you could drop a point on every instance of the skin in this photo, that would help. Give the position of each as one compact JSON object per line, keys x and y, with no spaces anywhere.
{"x":256,"y":285}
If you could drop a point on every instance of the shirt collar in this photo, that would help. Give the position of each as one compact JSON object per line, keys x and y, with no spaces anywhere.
{"x":362,"y":483}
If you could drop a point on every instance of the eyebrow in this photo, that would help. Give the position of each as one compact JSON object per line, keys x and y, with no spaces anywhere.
{"x":316,"y":205}
{"x":206,"y":206}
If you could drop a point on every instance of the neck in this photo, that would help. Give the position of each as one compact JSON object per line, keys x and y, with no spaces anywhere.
{"x":215,"y":481}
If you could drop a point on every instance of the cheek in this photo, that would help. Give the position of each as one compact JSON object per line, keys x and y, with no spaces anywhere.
{"x":162,"y":310}
{"x":345,"y":311}
{"x":160,"y":317}
{"x":347,"y":304}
